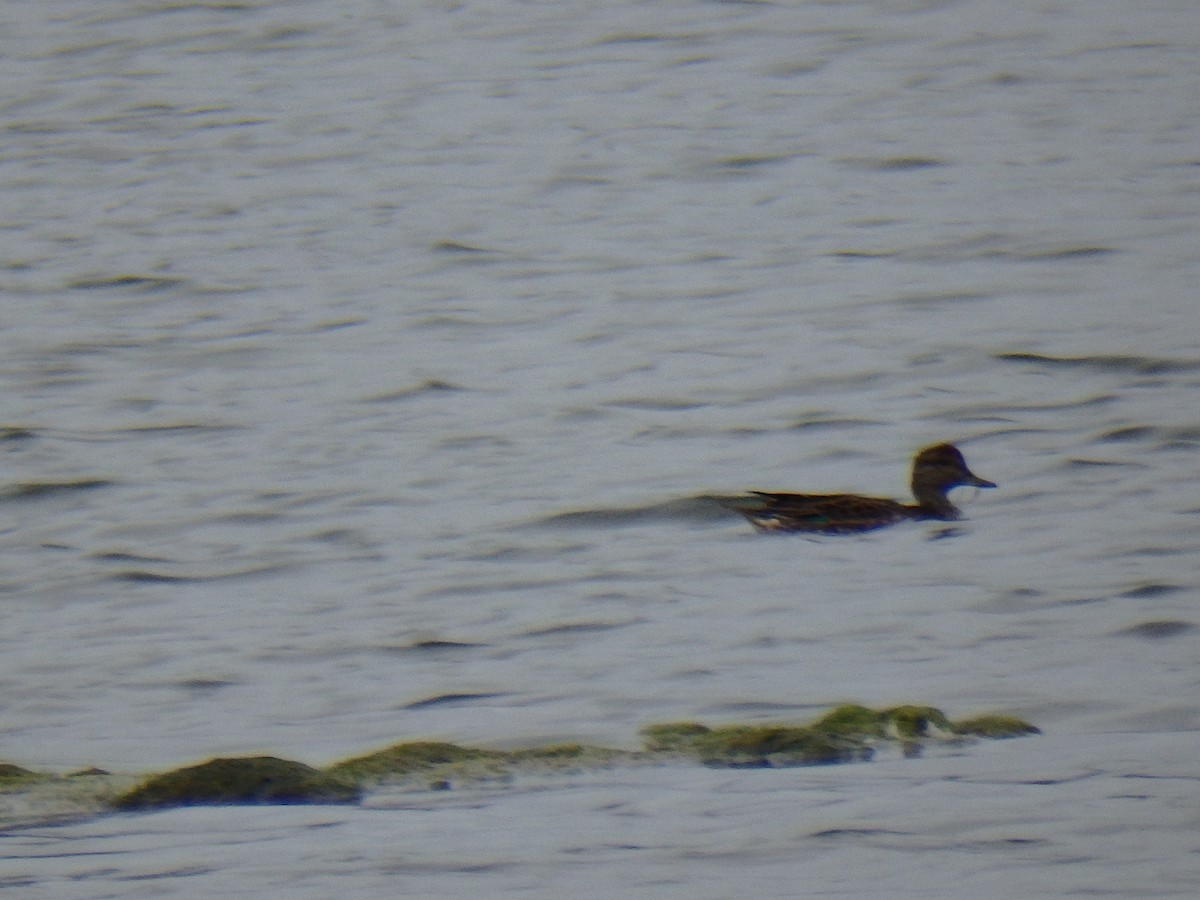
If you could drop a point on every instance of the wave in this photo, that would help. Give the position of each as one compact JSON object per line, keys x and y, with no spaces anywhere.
{"x":700,"y":508}
{"x":1137,"y":365}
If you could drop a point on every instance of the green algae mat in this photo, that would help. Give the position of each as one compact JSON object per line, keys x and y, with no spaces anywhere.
{"x":845,"y":734}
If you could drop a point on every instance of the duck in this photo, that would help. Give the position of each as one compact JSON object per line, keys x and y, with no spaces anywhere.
{"x":936,"y":471}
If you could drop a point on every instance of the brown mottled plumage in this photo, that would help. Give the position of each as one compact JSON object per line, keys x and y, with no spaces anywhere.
{"x":936,"y":470}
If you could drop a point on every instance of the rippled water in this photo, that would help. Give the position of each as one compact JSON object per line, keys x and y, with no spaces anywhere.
{"x":362,"y":364}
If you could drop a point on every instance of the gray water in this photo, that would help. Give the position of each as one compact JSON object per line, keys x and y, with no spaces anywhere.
{"x":359,"y":359}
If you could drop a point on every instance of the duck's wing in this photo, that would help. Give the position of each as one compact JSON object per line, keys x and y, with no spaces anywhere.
{"x":818,"y":513}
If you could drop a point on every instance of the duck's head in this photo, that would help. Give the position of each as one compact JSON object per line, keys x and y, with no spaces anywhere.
{"x":938,"y":469}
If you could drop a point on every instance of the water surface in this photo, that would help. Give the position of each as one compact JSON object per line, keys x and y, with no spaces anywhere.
{"x":359,"y":363}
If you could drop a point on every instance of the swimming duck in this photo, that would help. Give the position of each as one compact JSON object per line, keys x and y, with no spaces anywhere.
{"x":936,"y":470}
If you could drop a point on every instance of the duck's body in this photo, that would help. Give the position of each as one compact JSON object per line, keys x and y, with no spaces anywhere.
{"x":936,"y":471}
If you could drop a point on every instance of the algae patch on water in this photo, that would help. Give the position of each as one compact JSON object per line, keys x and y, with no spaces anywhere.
{"x":777,"y":745}
{"x":440,"y":764}
{"x":413,"y":758}
{"x":762,"y":745}
{"x":10,"y":774}
{"x":996,"y":727}
{"x":40,"y":798}
{"x":848,"y":733}
{"x":258,"y":779}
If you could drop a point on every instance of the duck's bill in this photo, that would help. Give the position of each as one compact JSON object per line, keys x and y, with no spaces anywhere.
{"x":976,"y":481}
